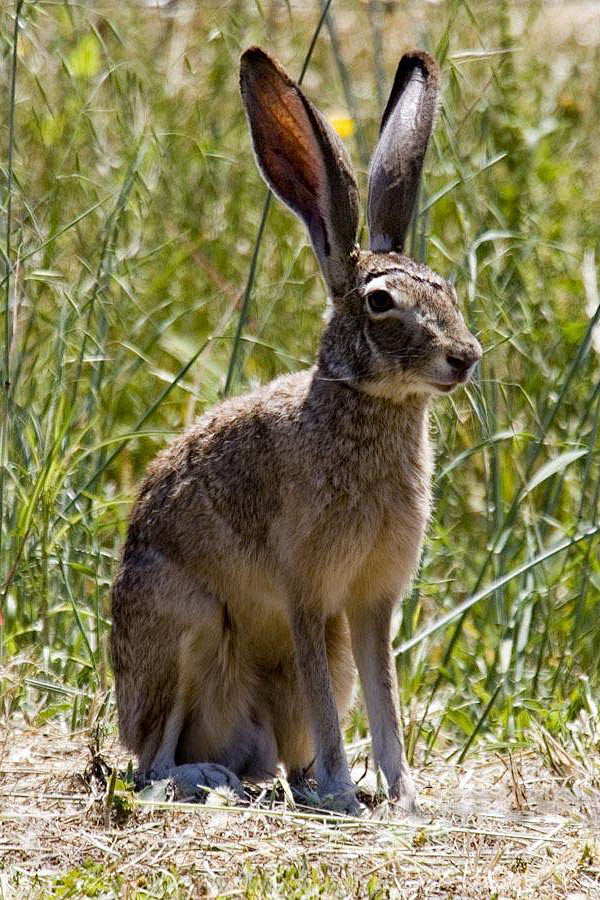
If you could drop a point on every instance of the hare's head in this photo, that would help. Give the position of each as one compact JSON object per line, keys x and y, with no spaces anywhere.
{"x":394,"y":325}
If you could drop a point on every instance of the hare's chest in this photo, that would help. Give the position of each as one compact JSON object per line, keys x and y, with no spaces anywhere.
{"x":358,"y":532}
{"x":373,"y":549}
{"x":396,"y":552}
{"x":396,"y":533}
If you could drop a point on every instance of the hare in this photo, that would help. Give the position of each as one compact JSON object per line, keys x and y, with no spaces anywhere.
{"x":270,"y":542}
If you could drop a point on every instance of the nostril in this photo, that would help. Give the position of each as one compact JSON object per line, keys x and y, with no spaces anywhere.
{"x":459,"y":363}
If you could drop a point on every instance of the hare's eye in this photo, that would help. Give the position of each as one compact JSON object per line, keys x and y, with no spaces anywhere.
{"x":380,"y":301}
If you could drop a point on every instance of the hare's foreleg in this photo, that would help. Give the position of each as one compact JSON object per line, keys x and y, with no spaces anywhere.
{"x":331,"y":765}
{"x":371,"y":643}
{"x":291,"y":712}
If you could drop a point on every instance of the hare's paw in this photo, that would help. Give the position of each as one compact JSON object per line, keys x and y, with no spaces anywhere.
{"x":343,"y":801}
{"x":193,"y":781}
{"x":336,"y":796}
{"x":340,"y":796}
{"x":403,"y":794}
{"x":190,"y":782}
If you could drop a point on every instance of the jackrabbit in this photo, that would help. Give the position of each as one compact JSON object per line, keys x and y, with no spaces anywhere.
{"x":271,"y":541}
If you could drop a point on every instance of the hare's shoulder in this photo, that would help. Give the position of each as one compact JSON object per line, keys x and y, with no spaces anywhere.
{"x":243,"y":419}
{"x":228,"y":467}
{"x":239,"y":435}
{"x":278,"y":400}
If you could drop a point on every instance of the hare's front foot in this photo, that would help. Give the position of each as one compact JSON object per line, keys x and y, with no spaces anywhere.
{"x":403,"y":793}
{"x":336,"y":796}
{"x":192,"y":781}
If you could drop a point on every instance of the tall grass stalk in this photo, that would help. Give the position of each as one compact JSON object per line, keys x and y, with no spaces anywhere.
{"x":346,"y":81}
{"x":507,"y":521}
{"x":125,"y":439}
{"x":6,"y":374}
{"x":530,"y":564}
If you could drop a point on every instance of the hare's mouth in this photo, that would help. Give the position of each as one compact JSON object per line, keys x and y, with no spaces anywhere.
{"x":444,"y":388}
{"x":462,"y":376}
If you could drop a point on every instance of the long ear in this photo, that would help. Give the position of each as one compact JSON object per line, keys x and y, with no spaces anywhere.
{"x":304,"y":162}
{"x":396,"y":168}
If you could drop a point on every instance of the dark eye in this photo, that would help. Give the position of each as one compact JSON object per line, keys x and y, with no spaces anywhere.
{"x":380,"y":301}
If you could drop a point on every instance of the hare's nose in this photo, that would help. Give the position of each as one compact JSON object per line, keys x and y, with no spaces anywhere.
{"x":467,"y":357}
{"x":458,"y":363}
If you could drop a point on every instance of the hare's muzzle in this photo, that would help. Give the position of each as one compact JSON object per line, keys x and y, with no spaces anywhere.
{"x":462,"y":362}
{"x":457,"y":366}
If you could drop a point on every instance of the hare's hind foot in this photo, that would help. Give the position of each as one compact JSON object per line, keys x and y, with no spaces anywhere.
{"x":192,"y":782}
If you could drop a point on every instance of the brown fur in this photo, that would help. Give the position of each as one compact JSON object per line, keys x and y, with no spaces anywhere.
{"x":270,"y":542}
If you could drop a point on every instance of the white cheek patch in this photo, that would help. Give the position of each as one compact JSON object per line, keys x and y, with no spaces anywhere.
{"x":375,"y":353}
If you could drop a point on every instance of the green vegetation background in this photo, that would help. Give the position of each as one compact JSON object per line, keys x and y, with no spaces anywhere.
{"x":135,"y":206}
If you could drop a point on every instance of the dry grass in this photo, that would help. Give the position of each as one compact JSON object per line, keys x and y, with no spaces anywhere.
{"x":521,"y":826}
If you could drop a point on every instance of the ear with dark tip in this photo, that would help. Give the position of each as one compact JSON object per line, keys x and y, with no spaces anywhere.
{"x":396,"y":168}
{"x":304,"y":162}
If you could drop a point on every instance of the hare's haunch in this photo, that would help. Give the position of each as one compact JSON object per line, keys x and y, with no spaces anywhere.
{"x":270,"y":542}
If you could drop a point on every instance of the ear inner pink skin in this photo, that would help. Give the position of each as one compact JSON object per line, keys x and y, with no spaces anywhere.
{"x":280,"y":125}
{"x":304,"y":162}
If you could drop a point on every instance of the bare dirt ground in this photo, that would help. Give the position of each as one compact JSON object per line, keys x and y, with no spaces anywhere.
{"x":520,"y":826}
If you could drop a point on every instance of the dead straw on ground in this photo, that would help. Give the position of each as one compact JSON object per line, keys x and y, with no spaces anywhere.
{"x":522,"y":824}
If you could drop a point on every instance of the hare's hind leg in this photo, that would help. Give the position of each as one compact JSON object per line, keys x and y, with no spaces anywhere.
{"x":186,"y":696}
{"x":227,"y":719}
{"x":145,"y":654}
{"x":206,"y":763}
